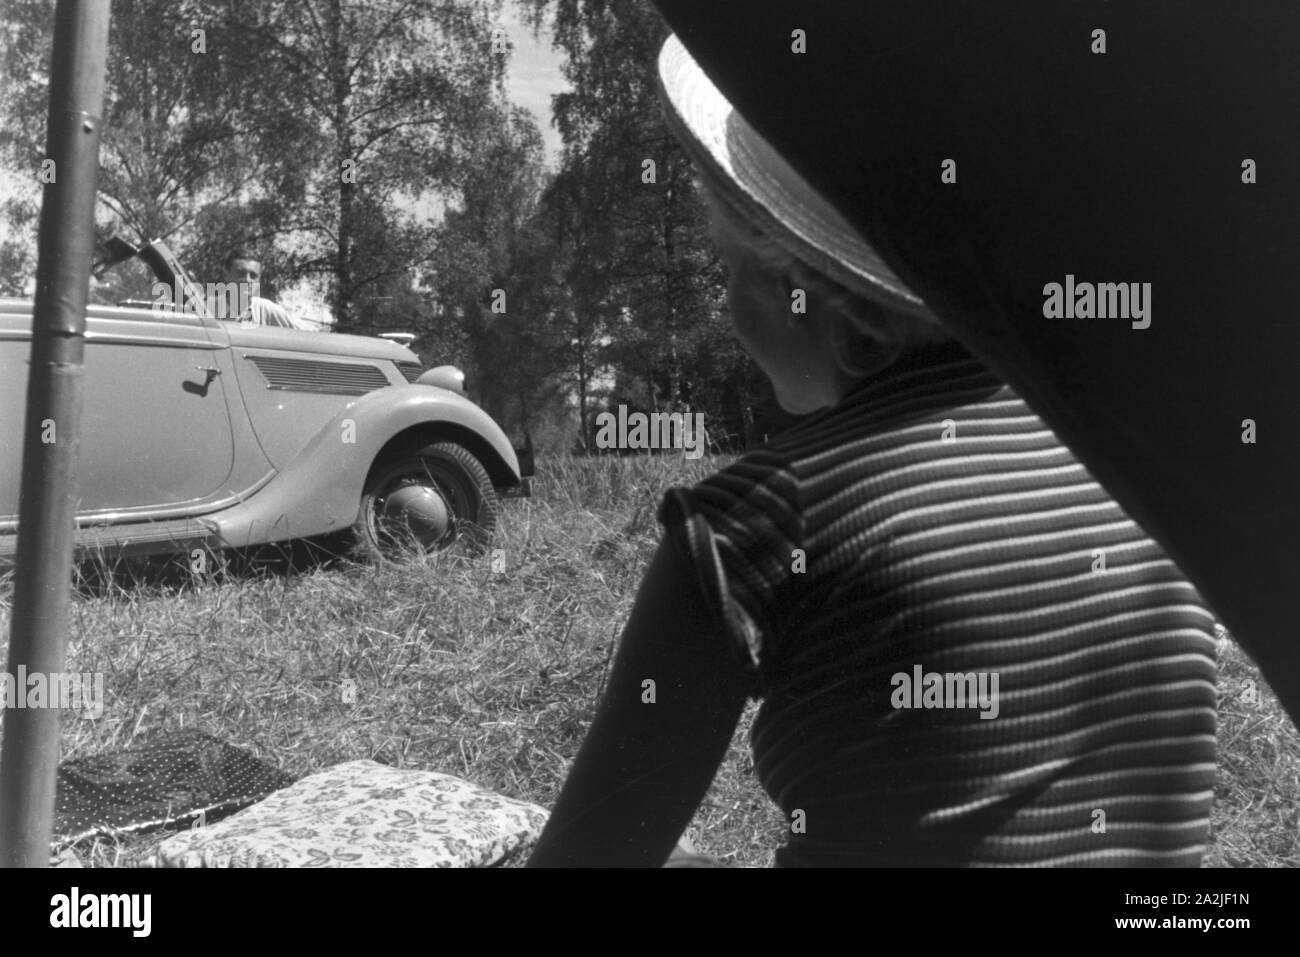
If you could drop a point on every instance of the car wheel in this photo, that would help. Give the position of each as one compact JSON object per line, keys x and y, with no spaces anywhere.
{"x":432,"y":499}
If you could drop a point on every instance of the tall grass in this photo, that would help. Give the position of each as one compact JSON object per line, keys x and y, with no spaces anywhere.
{"x":493,"y":676}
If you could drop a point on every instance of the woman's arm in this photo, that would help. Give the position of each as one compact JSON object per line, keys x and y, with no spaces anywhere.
{"x":644,"y":767}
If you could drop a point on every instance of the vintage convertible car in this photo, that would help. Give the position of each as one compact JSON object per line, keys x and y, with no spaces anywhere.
{"x":199,"y":432}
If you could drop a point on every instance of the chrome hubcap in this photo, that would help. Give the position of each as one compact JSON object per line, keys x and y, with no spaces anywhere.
{"x":419,"y":511}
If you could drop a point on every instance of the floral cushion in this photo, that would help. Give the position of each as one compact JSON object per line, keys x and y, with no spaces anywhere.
{"x":363,"y":814}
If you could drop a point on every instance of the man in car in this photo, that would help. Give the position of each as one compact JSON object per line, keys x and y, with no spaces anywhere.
{"x":245,"y":267}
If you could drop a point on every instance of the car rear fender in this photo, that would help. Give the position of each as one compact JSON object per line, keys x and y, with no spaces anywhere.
{"x":319,"y":491}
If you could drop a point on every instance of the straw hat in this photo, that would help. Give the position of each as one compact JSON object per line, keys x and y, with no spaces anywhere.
{"x":765,"y":190}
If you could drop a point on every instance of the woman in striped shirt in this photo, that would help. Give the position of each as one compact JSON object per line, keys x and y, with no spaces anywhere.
{"x":967,"y":653}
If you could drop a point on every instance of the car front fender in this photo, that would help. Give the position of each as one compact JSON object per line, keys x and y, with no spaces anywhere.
{"x":319,"y":490}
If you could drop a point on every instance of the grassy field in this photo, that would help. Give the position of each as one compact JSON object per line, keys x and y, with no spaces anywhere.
{"x":493,"y":675}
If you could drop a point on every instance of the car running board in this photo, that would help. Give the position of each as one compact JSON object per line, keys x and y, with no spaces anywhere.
{"x":183,"y":533}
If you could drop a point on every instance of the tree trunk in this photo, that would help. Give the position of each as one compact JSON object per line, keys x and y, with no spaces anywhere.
{"x":345,"y":319}
{"x":583,"y":383}
{"x":670,"y":301}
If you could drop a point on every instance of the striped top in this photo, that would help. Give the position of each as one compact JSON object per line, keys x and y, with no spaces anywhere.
{"x":968,"y":653}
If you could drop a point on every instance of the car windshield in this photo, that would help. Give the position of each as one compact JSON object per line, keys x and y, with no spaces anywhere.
{"x":129,"y":281}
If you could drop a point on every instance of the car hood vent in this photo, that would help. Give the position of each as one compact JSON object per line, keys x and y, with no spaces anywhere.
{"x":310,"y":375}
{"x":412,"y":370}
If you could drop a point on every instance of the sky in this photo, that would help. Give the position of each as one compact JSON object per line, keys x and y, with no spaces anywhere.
{"x":534,"y":77}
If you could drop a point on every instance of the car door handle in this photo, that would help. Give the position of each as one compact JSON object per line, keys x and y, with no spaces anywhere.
{"x":210,"y":371}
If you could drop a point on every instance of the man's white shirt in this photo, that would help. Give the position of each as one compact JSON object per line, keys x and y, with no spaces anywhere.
{"x":264,"y":312}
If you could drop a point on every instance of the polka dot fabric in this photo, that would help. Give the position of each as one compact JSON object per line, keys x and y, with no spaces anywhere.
{"x":170,"y":780}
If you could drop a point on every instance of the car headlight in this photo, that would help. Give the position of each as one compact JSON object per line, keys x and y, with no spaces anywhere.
{"x":445,"y":377}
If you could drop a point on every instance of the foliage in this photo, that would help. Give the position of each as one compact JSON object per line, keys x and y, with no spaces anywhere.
{"x":322,"y":131}
{"x":633,"y":216}
{"x":192,"y":142}
{"x":368,"y":150}
{"x":492,"y":269}
{"x":397,"y":97}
